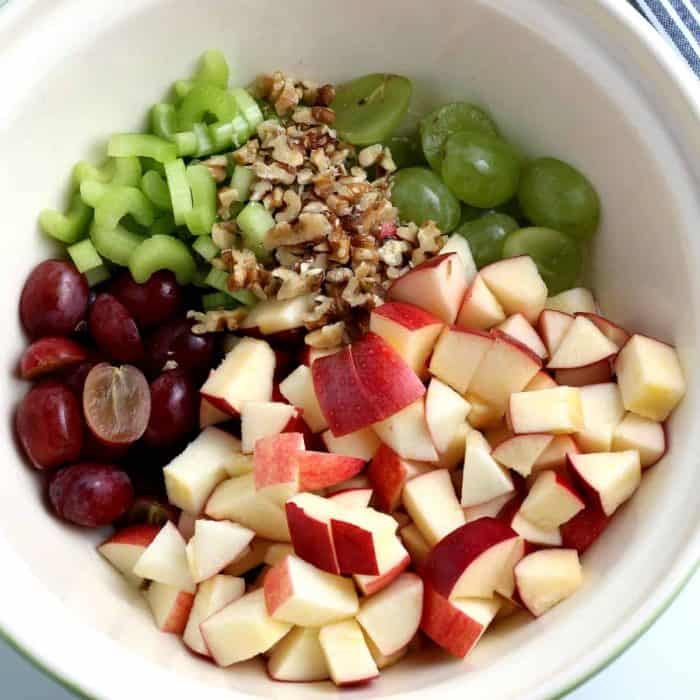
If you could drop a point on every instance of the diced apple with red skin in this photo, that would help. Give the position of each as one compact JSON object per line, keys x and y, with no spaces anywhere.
{"x":519,"y":328}
{"x":352,"y":498}
{"x":582,"y":345}
{"x":211,"y":415}
{"x":445,"y":411}
{"x":194,"y":473}
{"x":309,"y":355}
{"x":471,"y":561}
{"x":609,"y":478}
{"x":584,"y":528}
{"x":309,"y":519}
{"x":540,"y":381}
{"x":415,"y":543}
{"x":276,"y":552}
{"x":553,"y":326}
{"x":214,"y":546}
{"x":597,"y":373}
{"x":557,"y":411}
{"x":610,"y":330}
{"x":602,"y":412}
{"x":388,"y":474}
{"x":457,"y":243}
{"x":212,"y":595}
{"x":242,"y":630}
{"x":258,"y":549}
{"x":170,"y":607}
{"x":457,"y":356}
{"x":277,"y":467}
{"x":650,"y":377}
{"x":483,"y":479}
{"x":125,"y":547}
{"x":402,"y":603}
{"x":410,"y":330}
{"x":245,"y":374}
{"x":480,"y":309}
{"x":298,"y":658}
{"x":453,"y":456}
{"x":573,"y":301}
{"x":521,"y":452}
{"x":348,"y":658}
{"x":394,"y":561}
{"x":362,"y":444}
{"x":646,"y":436}
{"x":438,"y":285}
{"x":165,"y":560}
{"x":406,"y":432}
{"x":531,"y":533}
{"x":490,"y":509}
{"x":185,"y":524}
{"x":497,"y":434}
{"x":456,"y":625}
{"x":483,"y":414}
{"x":298,"y":388}
{"x":554,"y":456}
{"x":547,"y":577}
{"x":357,"y":482}
{"x":276,"y":315}
{"x":380,"y":659}
{"x":261,"y":419}
{"x":318,"y":470}
{"x":517,"y":285}
{"x":237,"y":499}
{"x":552,"y":501}
{"x":299,"y":593}
{"x":431,"y":501}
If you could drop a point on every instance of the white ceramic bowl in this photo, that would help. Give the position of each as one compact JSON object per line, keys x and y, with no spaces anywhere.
{"x":586,"y":80}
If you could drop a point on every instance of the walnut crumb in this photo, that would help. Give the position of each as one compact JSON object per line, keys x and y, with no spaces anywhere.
{"x":326,"y":337}
{"x":216,"y":321}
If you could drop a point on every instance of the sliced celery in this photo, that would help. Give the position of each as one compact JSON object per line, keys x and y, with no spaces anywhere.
{"x":164,"y":225}
{"x":201,"y":217}
{"x":218,"y":300}
{"x":180,"y":194}
{"x":127,"y":171}
{"x":69,"y":227}
{"x":118,"y":202}
{"x":247,"y":106}
{"x":84,"y":255}
{"x":230,"y":133}
{"x":92,"y":191}
{"x":206,"y":99}
{"x":97,"y":275}
{"x":117,"y":171}
{"x":163,"y":119}
{"x":116,"y":244}
{"x":156,"y":189}
{"x":213,"y":68}
{"x":205,"y":146}
{"x":142,"y":145}
{"x":186,"y":143}
{"x":162,"y":253}
{"x":255,"y":221}
{"x":218,"y":279}
{"x":206,"y":247}
{"x":182,"y":88}
{"x":242,"y":181}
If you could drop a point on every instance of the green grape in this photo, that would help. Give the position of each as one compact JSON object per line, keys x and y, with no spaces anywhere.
{"x":469,"y":213}
{"x":405,"y":150}
{"x":558,"y":257}
{"x":481,"y":169}
{"x":369,"y":109}
{"x":554,"y":194}
{"x":486,"y":235}
{"x":449,"y":119}
{"x":420,"y":195}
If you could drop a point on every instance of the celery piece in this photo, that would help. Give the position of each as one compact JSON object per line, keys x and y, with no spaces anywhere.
{"x":255,"y":221}
{"x":142,"y":145}
{"x":69,"y":227}
{"x":127,"y":171}
{"x":164,"y":225}
{"x":213,"y":68}
{"x":181,"y":88}
{"x":247,"y":106}
{"x":115,"y":244}
{"x":242,"y":181}
{"x":119,"y":201}
{"x":218,"y":300}
{"x":180,"y":194}
{"x":150,"y":164}
{"x":163,"y":120}
{"x":84,"y":255}
{"x":206,"y":247}
{"x":205,"y":146}
{"x":206,"y":99}
{"x":117,"y":171}
{"x":156,"y":189}
{"x":97,"y":275}
{"x":162,"y":253}
{"x":92,"y":191}
{"x":186,"y":143}
{"x":231,"y":133}
{"x":218,"y":279}
{"x":202,"y":216}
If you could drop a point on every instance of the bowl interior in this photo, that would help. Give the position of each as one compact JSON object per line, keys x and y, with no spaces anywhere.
{"x":560,"y":80}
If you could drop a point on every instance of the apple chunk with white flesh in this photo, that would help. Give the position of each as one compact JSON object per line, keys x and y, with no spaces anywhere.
{"x":483,"y":479}
{"x":610,"y":478}
{"x":380,"y":659}
{"x":438,"y":285}
{"x":298,"y":389}
{"x":362,"y":444}
{"x":471,"y":562}
{"x":518,"y":327}
{"x":275,"y":315}
{"x":406,"y":432}
{"x":410,"y":330}
{"x":394,"y":561}
{"x":547,"y":577}
{"x":388,"y":473}
{"x":531,"y":533}
{"x":214,"y":546}
{"x":480,"y":309}
{"x":299,"y":593}
{"x":445,"y":411}
{"x":298,"y":658}
{"x":602,"y":411}
{"x":650,"y":377}
{"x":194,"y":473}
{"x":255,"y":556}
{"x":553,"y":326}
{"x":490,"y":509}
{"x":552,"y":501}
{"x":402,"y":604}
{"x":125,"y":547}
{"x":353,"y":498}
{"x":245,"y":374}
{"x":521,"y":452}
{"x":318,"y":470}
{"x":415,"y":543}
{"x":457,"y":243}
{"x":457,"y":355}
{"x":597,"y":373}
{"x":573,"y":301}
{"x":241,"y":630}
{"x":646,"y":436}
{"x":582,"y":345}
{"x":212,"y":595}
{"x":170,"y":607}
{"x":557,"y":411}
{"x":261,"y":419}
{"x":165,"y":560}
{"x":554,"y":456}
{"x":276,"y":467}
{"x":610,"y":330}
{"x":347,"y":655}
{"x":211,"y":415}
{"x":456,"y":625}
{"x":431,"y":501}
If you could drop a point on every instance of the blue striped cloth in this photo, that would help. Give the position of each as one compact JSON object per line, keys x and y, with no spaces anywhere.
{"x":678,"y":21}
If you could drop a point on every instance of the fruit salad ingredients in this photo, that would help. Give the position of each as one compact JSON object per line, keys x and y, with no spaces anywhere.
{"x":114,"y":330}
{"x":174,"y":409}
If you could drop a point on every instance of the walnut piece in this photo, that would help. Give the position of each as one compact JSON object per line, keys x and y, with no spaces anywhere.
{"x":217,"y":321}
{"x":326,"y":337}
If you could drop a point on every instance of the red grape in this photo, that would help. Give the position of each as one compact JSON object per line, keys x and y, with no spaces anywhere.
{"x":115,"y":330}
{"x":96,"y":450}
{"x":54,"y":299}
{"x":116,"y":403}
{"x":74,"y":377}
{"x":150,"y":303}
{"x":174,"y":412}
{"x":174,"y":341}
{"x":50,"y":354}
{"x":91,"y":494}
{"x":50,"y":425}
{"x":149,"y":511}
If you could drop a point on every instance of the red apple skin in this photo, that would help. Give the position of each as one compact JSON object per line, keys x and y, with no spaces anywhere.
{"x":317,"y":470}
{"x":220,"y":403}
{"x":179,"y":614}
{"x":297,"y":424}
{"x":409,"y":316}
{"x":447,"y":626}
{"x":591,"y":496}
{"x":387,"y":475}
{"x":354,"y":547}
{"x":500,"y":335}
{"x":312,"y":539}
{"x":275,"y":459}
{"x":383,"y":580}
{"x":138,"y":535}
{"x":596,"y":373}
{"x":449,"y":558}
{"x":584,"y":529}
{"x":610,"y":330}
{"x":50,"y":354}
{"x":278,"y":586}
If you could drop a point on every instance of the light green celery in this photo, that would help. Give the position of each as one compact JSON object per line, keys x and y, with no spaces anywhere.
{"x":162,"y":253}
{"x":180,"y":193}
{"x":255,"y":221}
{"x":242,"y":181}
{"x":218,"y":279}
{"x":84,"y":255}
{"x":116,"y":244}
{"x":97,"y":275}
{"x":202,"y":216}
{"x":206,"y":247}
{"x":213,"y":68}
{"x":141,"y":145}
{"x":247,"y":106}
{"x":163,"y":118}
{"x":163,"y":225}
{"x":218,"y":300}
{"x":116,"y":171}
{"x":120,"y":201}
{"x":69,"y":227}
{"x":156,"y":189}
{"x":206,"y":99}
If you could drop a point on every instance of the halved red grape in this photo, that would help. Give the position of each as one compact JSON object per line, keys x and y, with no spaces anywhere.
{"x":91,"y":494}
{"x":175,"y":408}
{"x":96,"y":450}
{"x":51,"y":354}
{"x":74,"y":377}
{"x":150,"y":303}
{"x":115,"y":330}
{"x":54,"y":299}
{"x":175,"y":342}
{"x":116,"y":403}
{"x":146,"y":510}
{"x":50,"y":425}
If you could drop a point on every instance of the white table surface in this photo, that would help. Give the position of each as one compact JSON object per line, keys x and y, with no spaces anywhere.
{"x":662,"y":664}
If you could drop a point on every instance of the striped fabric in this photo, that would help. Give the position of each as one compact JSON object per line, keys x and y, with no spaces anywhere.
{"x":678,"y":21}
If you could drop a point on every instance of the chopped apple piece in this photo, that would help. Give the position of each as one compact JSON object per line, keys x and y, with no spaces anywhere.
{"x":480,"y":309}
{"x":165,"y":560}
{"x":394,"y":561}
{"x":415,"y":543}
{"x":582,"y":346}
{"x":211,"y":415}
{"x":547,"y":577}
{"x":298,"y":389}
{"x":541,"y":381}
{"x":610,"y":330}
{"x":531,"y":533}
{"x":347,"y":655}
{"x":318,"y":470}
{"x":298,"y":658}
{"x":214,"y":546}
{"x":553,"y":326}
{"x":170,"y":607}
{"x":276,"y":552}
{"x":517,"y":285}
{"x":257,"y":551}
{"x":650,"y":377}
{"x":573,"y":301}
{"x":482,"y":414}
{"x":276,"y":315}
{"x":584,"y":528}
{"x":646,"y":436}
{"x":458,"y":354}
{"x":551,"y":501}
{"x":453,"y":456}
{"x":362,"y":444}
{"x":497,"y":434}
{"x":125,"y":547}
{"x":445,"y":411}
{"x":261,"y":419}
{"x":483,"y":479}
{"x":357,"y":482}
{"x":519,"y":328}
{"x":597,"y":373}
{"x":380,"y":659}
{"x":521,"y":452}
{"x":185,"y":524}
{"x":276,"y":466}
{"x":388,"y":474}
{"x":554,"y":456}
{"x":457,"y":243}
{"x":406,"y":432}
{"x":490,"y":509}
{"x":556,"y":411}
{"x":602,"y":411}
{"x":352,"y":498}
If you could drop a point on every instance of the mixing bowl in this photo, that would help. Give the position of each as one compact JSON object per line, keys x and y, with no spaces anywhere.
{"x":585,"y":80}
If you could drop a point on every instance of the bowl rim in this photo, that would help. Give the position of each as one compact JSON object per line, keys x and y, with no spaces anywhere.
{"x":681,"y":76}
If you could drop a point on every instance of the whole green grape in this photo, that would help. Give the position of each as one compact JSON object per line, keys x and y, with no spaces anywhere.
{"x":556,"y":195}
{"x":406,"y":151}
{"x":486,"y":236}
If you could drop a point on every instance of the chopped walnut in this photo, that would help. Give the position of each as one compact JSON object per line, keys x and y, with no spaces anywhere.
{"x":308,"y":228}
{"x":248,"y":153}
{"x":216,"y":321}
{"x":430,"y":241}
{"x":324,"y":115}
{"x":292,"y":209}
{"x":326,"y":337}
{"x":289,"y":97}
{"x":326,"y":95}
{"x":274,"y":173}
{"x":386,"y":162}
{"x":339,"y":242}
{"x":245,"y":269}
{"x":370,"y":155}
{"x":296,"y":284}
{"x":408,"y":233}
{"x":224,"y":234}
{"x":392,"y":252}
{"x":218,"y":167}
{"x":283,"y":152}
{"x":322,"y":312}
